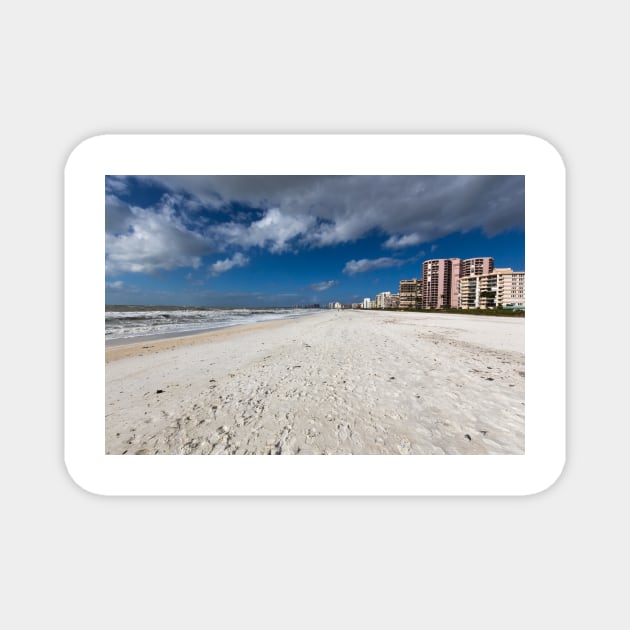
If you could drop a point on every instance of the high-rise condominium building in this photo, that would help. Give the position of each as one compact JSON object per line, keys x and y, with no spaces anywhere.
{"x":441,"y":279}
{"x":476,"y":266}
{"x":469,"y":292}
{"x":437,"y":282}
{"x":510,"y":288}
{"x":502,"y":287}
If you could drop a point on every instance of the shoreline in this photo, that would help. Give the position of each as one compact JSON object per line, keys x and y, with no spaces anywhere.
{"x":127,"y":341}
{"x":335,"y":383}
{"x":134,"y":346}
{"x":183,"y":332}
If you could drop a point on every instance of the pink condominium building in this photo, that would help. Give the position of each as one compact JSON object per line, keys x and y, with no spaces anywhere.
{"x":441,"y":279}
{"x":476,"y":266}
{"x":436,"y":283}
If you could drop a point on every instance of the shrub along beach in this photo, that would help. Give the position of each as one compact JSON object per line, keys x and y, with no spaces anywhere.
{"x":331,"y":382}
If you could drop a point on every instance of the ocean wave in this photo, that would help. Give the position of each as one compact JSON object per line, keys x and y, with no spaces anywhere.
{"x":124,"y":323}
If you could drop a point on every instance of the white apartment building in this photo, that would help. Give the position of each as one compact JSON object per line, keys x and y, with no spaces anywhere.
{"x":511,"y":289}
{"x":503,"y":287}
{"x":383,"y":299}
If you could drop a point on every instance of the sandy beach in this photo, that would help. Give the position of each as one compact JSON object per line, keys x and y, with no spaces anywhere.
{"x":335,"y":382}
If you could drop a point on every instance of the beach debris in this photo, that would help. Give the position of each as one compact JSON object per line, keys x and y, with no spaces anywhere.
{"x":489,"y":378}
{"x":392,"y":378}
{"x":468,"y":437}
{"x":483,"y":432}
{"x":159,"y":391}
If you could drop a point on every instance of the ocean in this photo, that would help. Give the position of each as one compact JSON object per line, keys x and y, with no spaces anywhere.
{"x":130,"y":322}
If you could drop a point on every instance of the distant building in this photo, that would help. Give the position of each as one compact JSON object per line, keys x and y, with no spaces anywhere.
{"x":383,"y":299}
{"x":366,"y":302}
{"x":410,"y":292}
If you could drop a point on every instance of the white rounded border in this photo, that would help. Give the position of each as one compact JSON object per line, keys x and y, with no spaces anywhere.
{"x":265,"y":154}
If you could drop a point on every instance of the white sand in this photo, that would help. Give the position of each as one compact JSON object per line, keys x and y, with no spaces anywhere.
{"x":347,"y":382}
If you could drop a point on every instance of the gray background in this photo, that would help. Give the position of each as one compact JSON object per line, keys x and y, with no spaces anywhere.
{"x":72,"y":70}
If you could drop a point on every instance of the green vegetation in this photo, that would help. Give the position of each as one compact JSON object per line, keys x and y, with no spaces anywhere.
{"x":498,"y":311}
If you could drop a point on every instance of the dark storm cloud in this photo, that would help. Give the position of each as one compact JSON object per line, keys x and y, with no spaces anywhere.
{"x":255,"y":190}
{"x":118,"y":215}
{"x":409,"y":209}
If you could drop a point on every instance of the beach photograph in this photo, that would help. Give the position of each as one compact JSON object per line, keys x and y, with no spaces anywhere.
{"x":315,"y":315}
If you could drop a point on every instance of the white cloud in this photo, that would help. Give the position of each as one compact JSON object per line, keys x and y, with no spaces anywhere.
{"x":221,"y":266}
{"x":399,"y":242}
{"x":274,"y":231}
{"x":116,"y":185}
{"x":363,"y":265}
{"x":323,"y":286}
{"x":153,"y":239}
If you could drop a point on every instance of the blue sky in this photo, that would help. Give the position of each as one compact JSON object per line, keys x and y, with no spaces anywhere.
{"x":292,"y":240}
